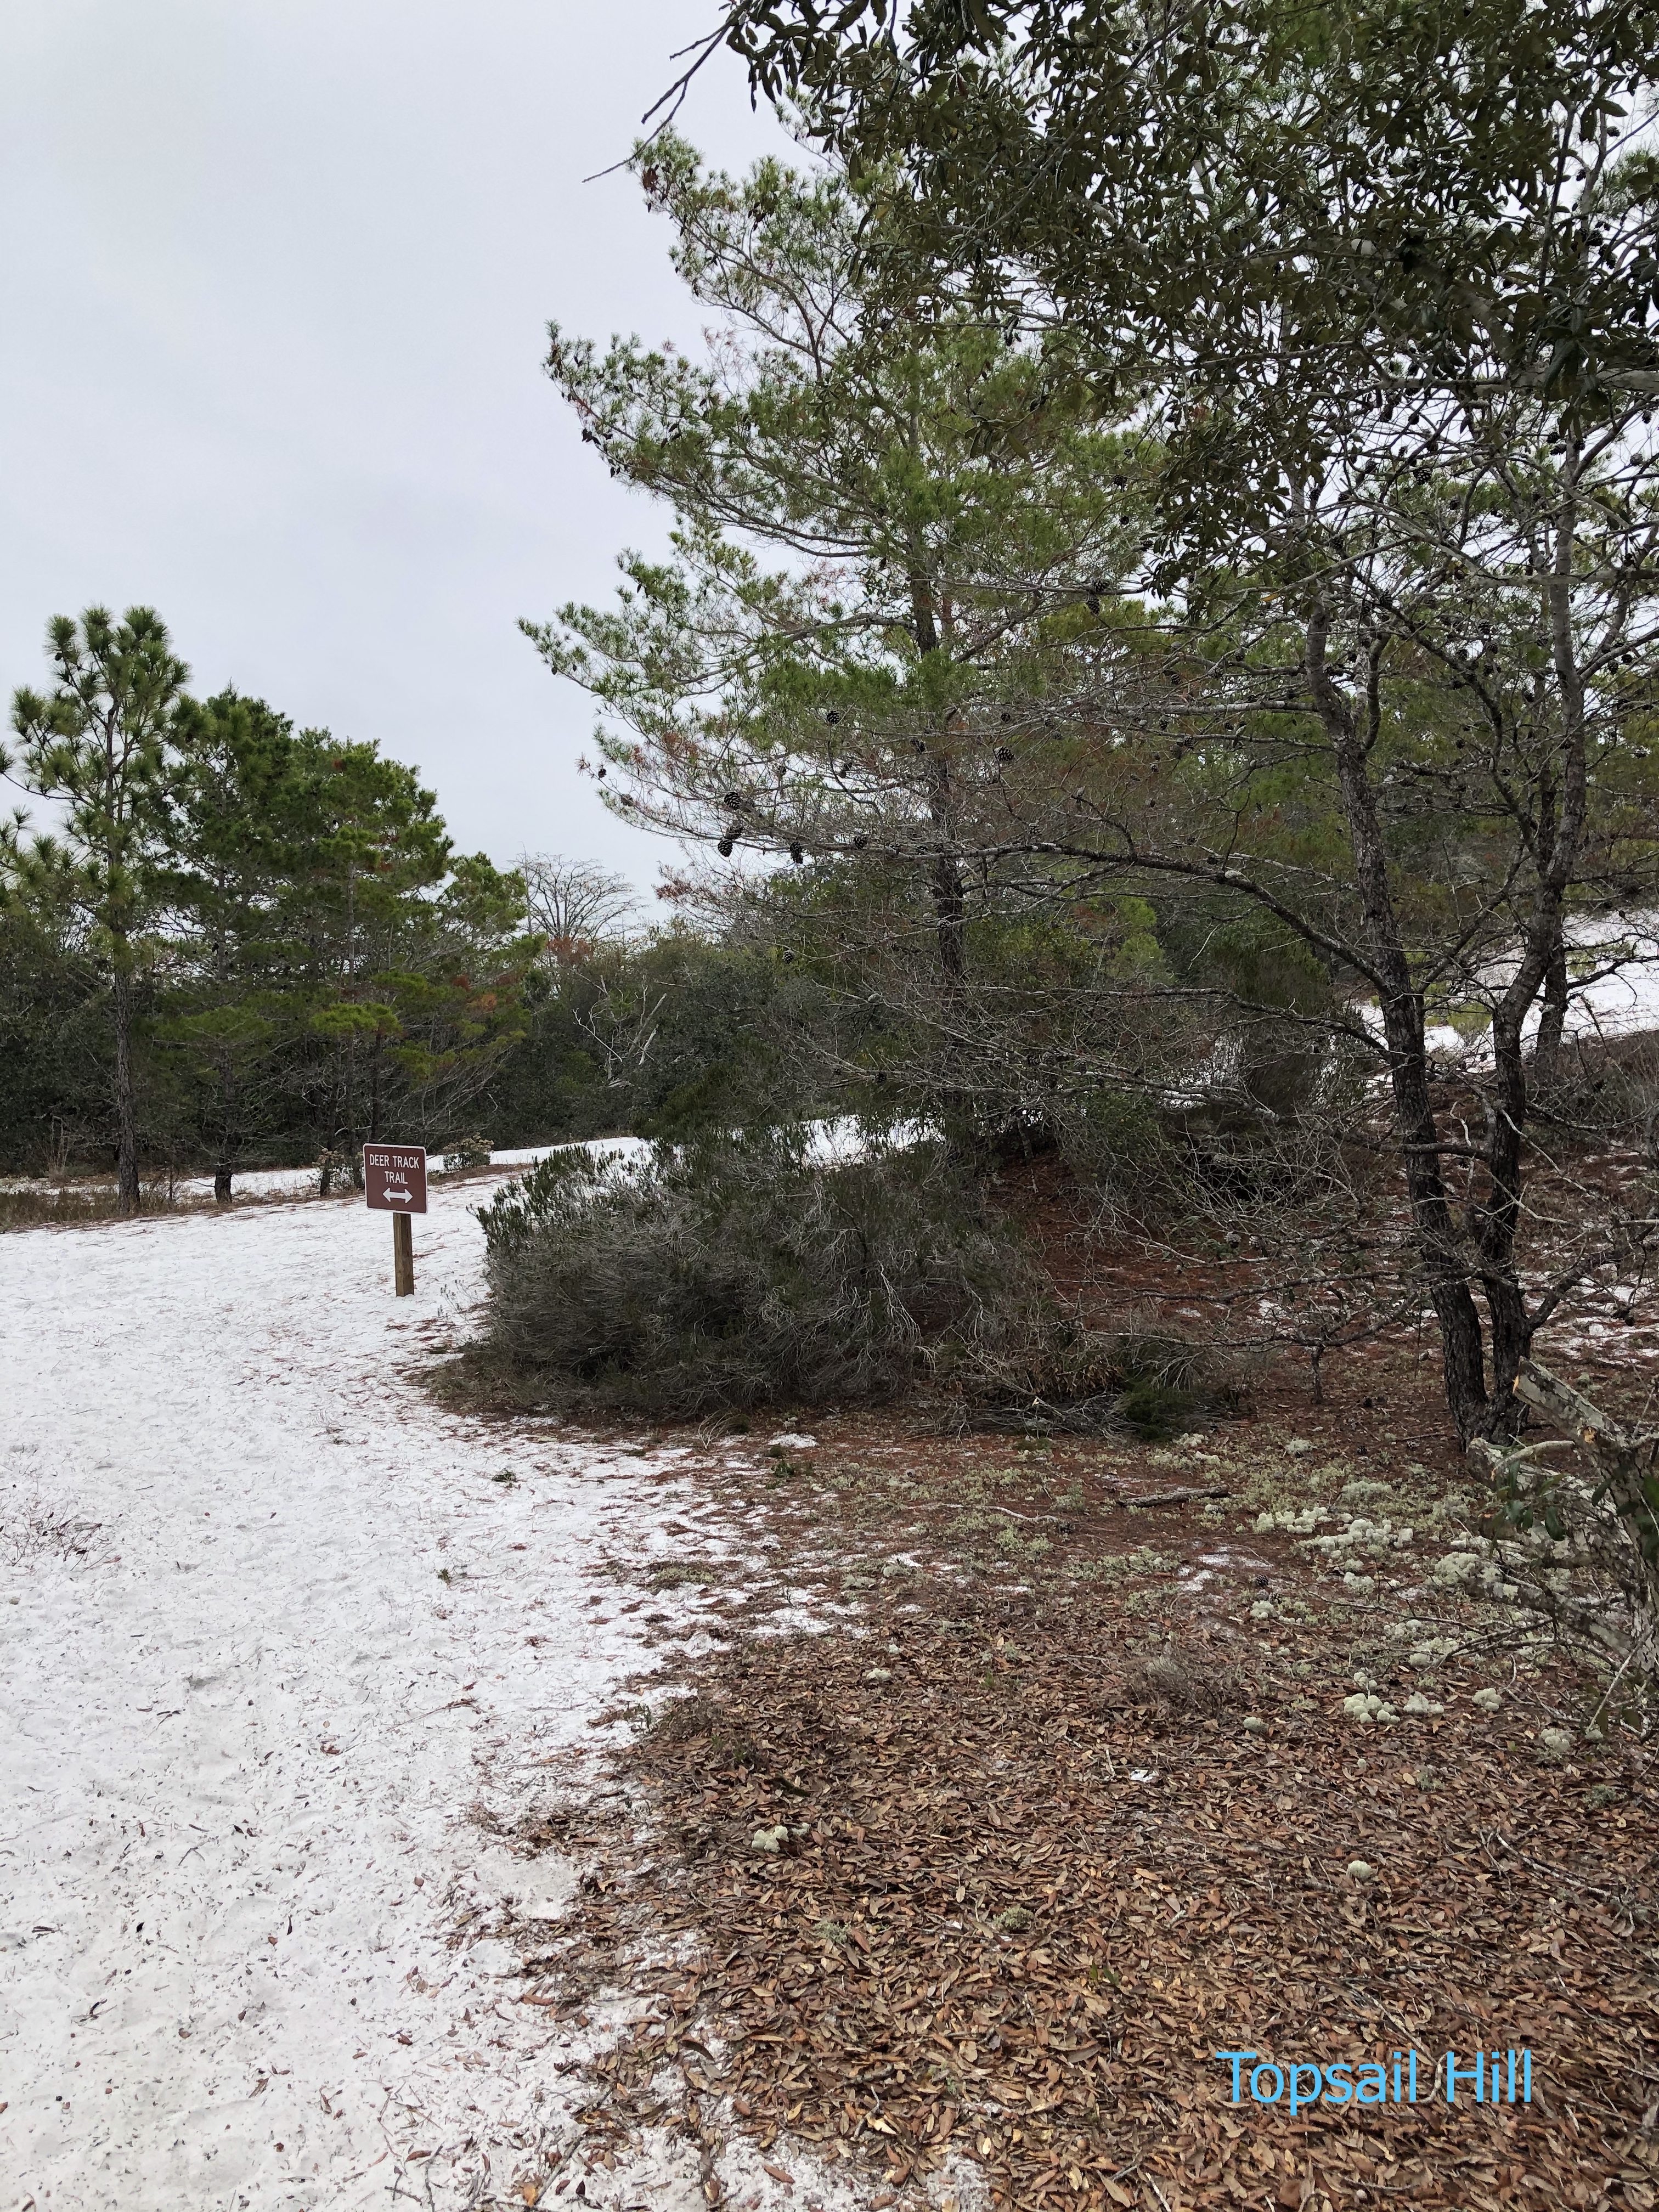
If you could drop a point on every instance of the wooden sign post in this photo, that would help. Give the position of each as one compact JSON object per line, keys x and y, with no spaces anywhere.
{"x":394,"y":1183}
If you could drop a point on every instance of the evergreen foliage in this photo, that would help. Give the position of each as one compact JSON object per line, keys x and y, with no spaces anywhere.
{"x":100,"y":745}
{"x":741,"y":1270}
{"x":245,"y":942}
{"x":1213,"y":594}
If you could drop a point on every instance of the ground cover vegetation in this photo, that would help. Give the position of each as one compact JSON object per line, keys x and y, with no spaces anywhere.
{"x":736,"y":1269}
{"x":1096,"y":1758}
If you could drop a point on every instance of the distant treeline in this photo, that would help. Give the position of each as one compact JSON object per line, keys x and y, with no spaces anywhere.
{"x":242,"y":943}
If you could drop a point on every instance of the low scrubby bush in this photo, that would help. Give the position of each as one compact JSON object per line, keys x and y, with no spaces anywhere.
{"x":1062,"y":1377}
{"x":744,"y":1269}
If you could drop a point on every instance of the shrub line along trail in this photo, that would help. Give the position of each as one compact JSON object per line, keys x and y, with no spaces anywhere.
{"x":248,"y":1725}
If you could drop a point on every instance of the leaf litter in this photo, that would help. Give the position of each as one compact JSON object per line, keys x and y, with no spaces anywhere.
{"x":1028,"y":1873}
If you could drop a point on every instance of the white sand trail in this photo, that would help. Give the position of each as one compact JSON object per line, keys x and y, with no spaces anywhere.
{"x":243,"y":1720}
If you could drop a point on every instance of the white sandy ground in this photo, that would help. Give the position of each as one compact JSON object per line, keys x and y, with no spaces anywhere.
{"x":1615,"y":992}
{"x":840,"y":1139}
{"x":302,"y":1182}
{"x":247,"y":1730}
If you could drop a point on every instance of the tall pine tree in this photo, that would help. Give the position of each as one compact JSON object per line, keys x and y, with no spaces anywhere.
{"x":100,"y":745}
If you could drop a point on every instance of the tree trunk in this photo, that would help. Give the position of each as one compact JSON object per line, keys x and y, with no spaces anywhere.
{"x":948,"y":903}
{"x":945,"y":877}
{"x":1437,"y":1235}
{"x":1552,"y":1026}
{"x":226,"y":1118}
{"x":1500,"y":1221}
{"x":1560,"y":805}
{"x":126,"y":1108}
{"x":1463,"y":1356}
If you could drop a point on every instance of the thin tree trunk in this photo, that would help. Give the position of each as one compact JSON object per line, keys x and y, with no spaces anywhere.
{"x":945,"y":877}
{"x":1552,"y":1026}
{"x":126,"y":1109}
{"x":222,"y":1172}
{"x":1462,"y":1350}
{"x":1437,"y":1236}
{"x":950,"y":905}
{"x":1500,"y":1221}
{"x":1561,"y":800}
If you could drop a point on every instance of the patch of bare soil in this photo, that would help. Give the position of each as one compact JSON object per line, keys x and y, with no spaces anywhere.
{"x":1070,"y":1794}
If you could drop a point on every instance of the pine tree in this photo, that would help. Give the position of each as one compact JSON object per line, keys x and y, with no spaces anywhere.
{"x":236,"y":833}
{"x":406,"y":961}
{"x":100,"y":745}
{"x":893,"y":527}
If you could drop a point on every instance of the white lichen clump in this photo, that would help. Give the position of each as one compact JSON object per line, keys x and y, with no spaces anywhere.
{"x":1365,"y":1536}
{"x":1300,"y":1523}
{"x":1364,"y":1490}
{"x":1366,"y":1705}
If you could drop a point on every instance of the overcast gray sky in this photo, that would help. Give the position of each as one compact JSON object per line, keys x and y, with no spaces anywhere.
{"x":275,"y":274}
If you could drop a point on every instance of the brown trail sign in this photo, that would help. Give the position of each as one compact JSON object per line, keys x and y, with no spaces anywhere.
{"x":394,"y":1183}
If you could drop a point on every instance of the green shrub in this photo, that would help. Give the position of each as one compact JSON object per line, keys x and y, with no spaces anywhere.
{"x":740,"y":1269}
